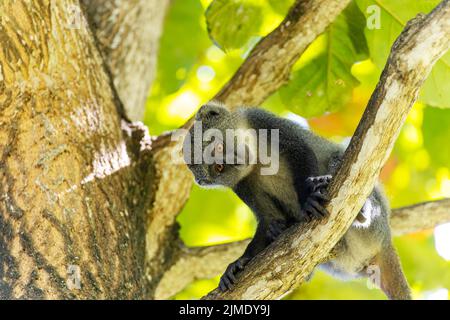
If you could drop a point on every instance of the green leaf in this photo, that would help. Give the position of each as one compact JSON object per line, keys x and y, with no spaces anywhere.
{"x":436,"y":135}
{"x":182,"y":42}
{"x":394,"y":14}
{"x":281,"y":6}
{"x":231,"y":23}
{"x":423,"y":266}
{"x":215,"y":215}
{"x":436,"y":89}
{"x":325,"y":83}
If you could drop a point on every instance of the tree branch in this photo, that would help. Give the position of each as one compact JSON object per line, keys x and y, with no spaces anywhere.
{"x":420,"y":217}
{"x":128,"y":33}
{"x":196,"y":262}
{"x":269,"y":64}
{"x":289,"y":260}
{"x":71,"y":184}
{"x":263,"y":72}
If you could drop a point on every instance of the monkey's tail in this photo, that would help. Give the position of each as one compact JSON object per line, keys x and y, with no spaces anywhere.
{"x":393,"y":281}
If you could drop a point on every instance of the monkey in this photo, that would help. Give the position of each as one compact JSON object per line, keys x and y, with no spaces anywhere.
{"x":295,"y":193}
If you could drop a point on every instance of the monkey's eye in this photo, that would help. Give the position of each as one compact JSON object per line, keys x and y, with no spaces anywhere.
{"x":213,"y":113}
{"x":219,"y":167}
{"x":219,"y":148}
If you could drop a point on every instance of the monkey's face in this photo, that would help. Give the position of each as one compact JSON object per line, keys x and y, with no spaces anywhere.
{"x":213,"y":151}
{"x":217,"y":171}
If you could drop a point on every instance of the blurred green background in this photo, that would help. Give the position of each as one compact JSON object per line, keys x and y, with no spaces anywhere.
{"x":205,"y":41}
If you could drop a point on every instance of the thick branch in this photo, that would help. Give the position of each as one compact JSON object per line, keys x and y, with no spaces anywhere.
{"x":71,"y":195}
{"x":196,"y":262}
{"x":264,"y":71}
{"x":74,"y":177}
{"x":289,"y":260}
{"x":171,"y":187}
{"x":420,"y":217}
{"x":128,"y":33}
{"x":269,"y":64}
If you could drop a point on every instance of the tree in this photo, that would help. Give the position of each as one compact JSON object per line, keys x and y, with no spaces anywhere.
{"x":88,"y":199}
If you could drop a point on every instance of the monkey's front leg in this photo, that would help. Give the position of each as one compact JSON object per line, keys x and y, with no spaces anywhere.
{"x":275,"y":228}
{"x":314,"y":206}
{"x":258,"y":243}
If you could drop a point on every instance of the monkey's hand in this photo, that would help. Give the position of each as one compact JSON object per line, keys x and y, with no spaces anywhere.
{"x":229,"y":277}
{"x":314,"y":207}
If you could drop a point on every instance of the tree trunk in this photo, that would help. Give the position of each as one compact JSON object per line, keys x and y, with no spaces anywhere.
{"x":128,"y":34}
{"x":73,"y":189}
{"x":88,"y":201}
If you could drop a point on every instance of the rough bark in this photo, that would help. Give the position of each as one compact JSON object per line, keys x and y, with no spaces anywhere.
{"x":290,"y":259}
{"x":171,"y":190}
{"x":197,"y":263}
{"x":420,"y":217}
{"x":128,"y":34}
{"x":269,"y":64}
{"x":116,"y":51}
{"x":210,"y":261}
{"x":81,"y":188}
{"x":265,"y":70}
{"x":71,"y":171}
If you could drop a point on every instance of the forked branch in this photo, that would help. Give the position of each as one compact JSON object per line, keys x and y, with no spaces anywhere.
{"x":289,"y":260}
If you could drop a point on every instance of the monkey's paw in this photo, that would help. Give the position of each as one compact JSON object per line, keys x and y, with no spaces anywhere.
{"x":228,"y":279}
{"x":315,"y":203}
{"x":318,"y":184}
{"x":276,"y":227}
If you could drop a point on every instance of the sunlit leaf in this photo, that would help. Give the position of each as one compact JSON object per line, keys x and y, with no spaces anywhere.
{"x":231,"y":23}
{"x":281,"y":6}
{"x":328,"y":288}
{"x":325,"y":83}
{"x":436,"y":135}
{"x":393,"y":16}
{"x":182,"y":42}
{"x":215,"y":216}
{"x":423,"y":266}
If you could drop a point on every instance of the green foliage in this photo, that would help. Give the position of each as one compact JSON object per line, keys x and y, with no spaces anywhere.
{"x":394,"y":14}
{"x":424,"y":268}
{"x":281,"y":6}
{"x":436,"y":133}
{"x":237,"y":24}
{"x":208,"y":225}
{"x":176,"y":58}
{"x":418,"y":169}
{"x":231,"y":23}
{"x":325,"y":83}
{"x":329,"y":288}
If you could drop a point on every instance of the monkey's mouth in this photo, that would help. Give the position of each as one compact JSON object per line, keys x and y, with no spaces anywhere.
{"x":202,"y":181}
